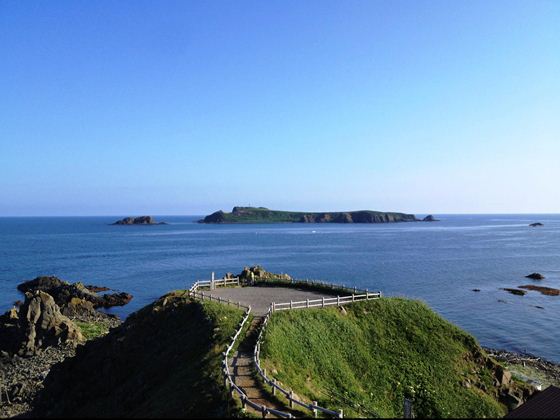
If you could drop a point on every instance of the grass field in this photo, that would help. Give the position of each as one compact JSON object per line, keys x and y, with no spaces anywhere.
{"x":369,"y":357}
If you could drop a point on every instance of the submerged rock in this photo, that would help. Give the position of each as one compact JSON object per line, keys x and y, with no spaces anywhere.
{"x":514,"y":291}
{"x":549,"y":291}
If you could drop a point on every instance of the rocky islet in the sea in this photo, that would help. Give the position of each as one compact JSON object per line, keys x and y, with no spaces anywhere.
{"x":537,"y":224}
{"x":264,"y":215}
{"x":141,"y":220}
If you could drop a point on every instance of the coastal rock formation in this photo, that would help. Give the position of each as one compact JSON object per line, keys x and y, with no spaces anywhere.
{"x":142,"y":220}
{"x":549,"y":291}
{"x":258,"y":273}
{"x":63,"y":292}
{"x":264,"y":215}
{"x":430,"y":218}
{"x":38,"y":324}
{"x":536,"y":224}
{"x":535,"y":276}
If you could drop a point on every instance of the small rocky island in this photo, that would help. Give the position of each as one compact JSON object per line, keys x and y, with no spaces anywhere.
{"x":264,"y":215}
{"x":537,"y":224}
{"x":141,"y":220}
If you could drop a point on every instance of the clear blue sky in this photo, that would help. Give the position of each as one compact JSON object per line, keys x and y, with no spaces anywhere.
{"x":184,"y":107}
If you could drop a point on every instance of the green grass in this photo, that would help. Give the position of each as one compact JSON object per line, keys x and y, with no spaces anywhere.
{"x":92,"y":330}
{"x":368,"y":360}
{"x":164,"y":361}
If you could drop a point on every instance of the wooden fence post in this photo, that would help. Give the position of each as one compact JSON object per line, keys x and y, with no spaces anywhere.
{"x":323,"y":302}
{"x":315,"y":411}
{"x":307,"y":305}
{"x":274,"y":387}
{"x":340,"y":414}
{"x":407,"y":408}
{"x":291,"y":304}
{"x":291,"y":399}
{"x":353,"y":297}
{"x":338,"y":301}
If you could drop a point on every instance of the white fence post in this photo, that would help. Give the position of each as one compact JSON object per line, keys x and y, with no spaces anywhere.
{"x":323,"y":302}
{"x":307,"y":305}
{"x":315,"y":411}
{"x":338,"y":301}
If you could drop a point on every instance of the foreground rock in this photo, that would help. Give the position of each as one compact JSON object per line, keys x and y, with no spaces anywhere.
{"x":142,"y":220}
{"x":535,"y":276}
{"x":38,"y":324}
{"x":22,"y":378}
{"x":64,"y":293}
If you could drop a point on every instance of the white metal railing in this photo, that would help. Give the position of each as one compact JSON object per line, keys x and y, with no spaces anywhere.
{"x":212,"y":284}
{"x":321,"y":303}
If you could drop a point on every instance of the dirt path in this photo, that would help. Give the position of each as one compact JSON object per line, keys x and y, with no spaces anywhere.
{"x":242,"y":364}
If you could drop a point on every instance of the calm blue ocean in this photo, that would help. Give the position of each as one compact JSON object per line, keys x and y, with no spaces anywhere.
{"x":437,"y":262}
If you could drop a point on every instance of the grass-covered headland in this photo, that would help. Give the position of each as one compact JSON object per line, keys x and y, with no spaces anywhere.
{"x":369,"y":356}
{"x":164,"y":361}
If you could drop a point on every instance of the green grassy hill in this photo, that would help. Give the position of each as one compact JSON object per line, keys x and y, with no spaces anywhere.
{"x":164,"y":361}
{"x":366,"y":358}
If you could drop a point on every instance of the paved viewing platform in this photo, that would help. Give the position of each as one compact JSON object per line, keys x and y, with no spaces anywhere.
{"x":260,"y":298}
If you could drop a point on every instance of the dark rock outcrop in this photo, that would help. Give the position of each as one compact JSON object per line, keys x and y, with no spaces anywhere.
{"x":63,"y":292}
{"x":430,"y":218}
{"x":535,"y":276}
{"x":549,"y":291}
{"x":515,"y":291}
{"x":257,"y":273}
{"x":536,"y":224}
{"x":141,"y":220}
{"x":38,"y":324}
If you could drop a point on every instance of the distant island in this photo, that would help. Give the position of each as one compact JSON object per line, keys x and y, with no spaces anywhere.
{"x":142,"y":220}
{"x":264,"y":215}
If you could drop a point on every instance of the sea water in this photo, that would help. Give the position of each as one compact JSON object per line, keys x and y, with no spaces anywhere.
{"x":439,"y":263}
